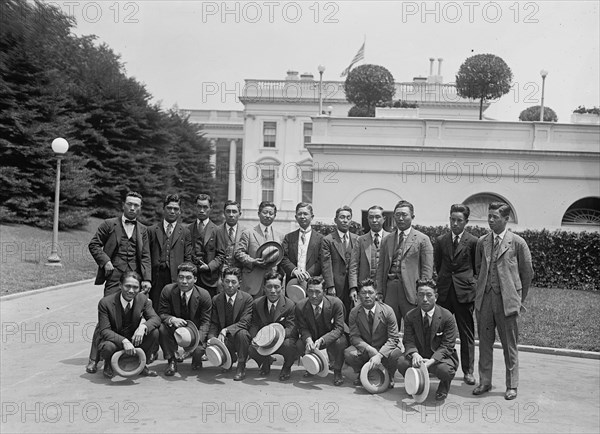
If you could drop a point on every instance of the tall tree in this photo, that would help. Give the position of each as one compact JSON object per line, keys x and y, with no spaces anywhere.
{"x":483,"y":77}
{"x":368,"y":86}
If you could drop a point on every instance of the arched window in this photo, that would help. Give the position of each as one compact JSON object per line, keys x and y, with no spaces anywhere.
{"x":478,"y":204}
{"x":583,"y":212}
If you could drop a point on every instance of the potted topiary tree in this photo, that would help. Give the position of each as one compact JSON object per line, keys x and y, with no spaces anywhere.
{"x":368,"y":86}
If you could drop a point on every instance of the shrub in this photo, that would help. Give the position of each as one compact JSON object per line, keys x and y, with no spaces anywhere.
{"x":582,"y":110}
{"x":361,"y":112}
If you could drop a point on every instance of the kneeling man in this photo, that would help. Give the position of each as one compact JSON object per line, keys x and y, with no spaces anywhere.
{"x":429,"y":337}
{"x":274,"y":307}
{"x":120,"y":326}
{"x":374,"y":336}
{"x":179,"y":303}
{"x":320,"y":321}
{"x":231,"y":317}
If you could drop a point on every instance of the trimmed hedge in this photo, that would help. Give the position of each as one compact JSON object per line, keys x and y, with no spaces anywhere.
{"x":561,"y":259}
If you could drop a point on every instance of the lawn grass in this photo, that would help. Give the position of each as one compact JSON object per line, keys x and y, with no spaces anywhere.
{"x":555,"y":318}
{"x":25,"y":250}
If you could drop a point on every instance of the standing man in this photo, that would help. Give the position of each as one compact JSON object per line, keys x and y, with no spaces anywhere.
{"x":505,"y":273}
{"x":454,"y":258}
{"x":320,"y":322}
{"x":406,"y":256}
{"x":429,"y":338}
{"x":120,"y":322}
{"x":374,"y":334}
{"x":336,"y":251}
{"x":302,"y":247}
{"x":230,"y":232}
{"x":170,"y":245}
{"x":231,"y":317}
{"x":120,"y":244}
{"x":271,"y":308}
{"x":254,"y":268}
{"x":207,"y":252}
{"x":365,"y":255}
{"x":179,"y":303}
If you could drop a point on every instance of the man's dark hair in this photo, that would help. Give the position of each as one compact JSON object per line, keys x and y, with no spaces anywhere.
{"x":270,"y":275}
{"x":133,"y":194}
{"x":232,"y":271}
{"x":314,"y":280}
{"x":503,"y":208}
{"x":187,"y":266}
{"x":171,"y":198}
{"x":462,"y":208}
{"x":343,"y":208}
{"x":305,"y":205}
{"x":204,"y":196}
{"x":405,"y":203}
{"x":265,"y":204}
{"x":232,"y":202}
{"x":133,"y":274}
{"x":375,"y":207}
{"x":427,"y":283}
{"x":366,"y":282}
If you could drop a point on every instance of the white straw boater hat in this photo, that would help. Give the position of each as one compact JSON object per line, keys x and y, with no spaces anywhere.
{"x":416,"y":383}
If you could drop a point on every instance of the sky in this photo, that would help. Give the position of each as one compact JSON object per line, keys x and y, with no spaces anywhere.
{"x":197,"y":54}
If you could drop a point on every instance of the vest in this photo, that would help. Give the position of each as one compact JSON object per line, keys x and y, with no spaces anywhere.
{"x":321,"y":326}
{"x":127,"y":321}
{"x":126,"y":256}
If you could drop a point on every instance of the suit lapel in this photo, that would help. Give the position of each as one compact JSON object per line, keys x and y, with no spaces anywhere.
{"x":337,"y":242}
{"x":237,"y":306}
{"x":363,"y":320}
{"x":293,"y":248}
{"x":377,"y":318}
{"x":505,"y":243}
{"x":221,"y":307}
{"x":327,"y":313}
{"x":193,"y":303}
{"x":367,"y":246}
{"x":176,"y":233}
{"x":263,"y":311}
{"x":118,"y":309}
{"x":488,"y":247}
{"x":258,"y":235}
{"x":409,"y":242}
{"x":312,"y":246}
{"x":138,"y":238}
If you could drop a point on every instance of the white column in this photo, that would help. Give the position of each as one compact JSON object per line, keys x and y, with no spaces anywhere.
{"x":213,"y":157}
{"x":232,"y":160}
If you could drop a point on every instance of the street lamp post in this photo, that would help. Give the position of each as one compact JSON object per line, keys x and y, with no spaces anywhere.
{"x":543,"y":73}
{"x":59,"y":146}
{"x":321,"y":71}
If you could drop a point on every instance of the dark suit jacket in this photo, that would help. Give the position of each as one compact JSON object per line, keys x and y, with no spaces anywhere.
{"x":335,"y":263}
{"x":456,"y":268}
{"x":515,"y":271}
{"x":443,"y":334}
{"x":242,"y":314}
{"x":360,"y":263}
{"x":199,"y":306}
{"x":385,"y":336}
{"x":110,"y":322}
{"x":290,"y":254}
{"x":223,"y":233}
{"x":105,"y":244}
{"x":417,"y":262}
{"x":333,"y":314}
{"x":208,"y":249}
{"x":179,"y":251}
{"x":284,"y":315}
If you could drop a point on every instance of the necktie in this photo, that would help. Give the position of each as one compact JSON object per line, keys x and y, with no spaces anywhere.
{"x":231,"y":239}
{"x":266,"y":234}
{"x":303,"y":236}
{"x":272,"y":311}
{"x":376,"y":240}
{"x":496,"y":248}
{"x":229,"y":312}
{"x":400,"y":241}
{"x":169,"y":230}
{"x":127,"y":308}
{"x":345,"y":241}
{"x":129,"y":222}
{"x":426,"y":328}
{"x":371,"y":320}
{"x":184,"y":309}
{"x":317,"y":312}
{"x":455,"y":244}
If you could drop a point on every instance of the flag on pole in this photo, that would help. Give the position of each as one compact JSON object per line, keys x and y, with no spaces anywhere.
{"x":359,"y":56}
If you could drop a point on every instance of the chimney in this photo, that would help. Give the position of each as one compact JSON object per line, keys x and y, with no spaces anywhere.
{"x":440,"y":60}
{"x":431,"y":60}
{"x":292,"y":75}
{"x":307,"y":76}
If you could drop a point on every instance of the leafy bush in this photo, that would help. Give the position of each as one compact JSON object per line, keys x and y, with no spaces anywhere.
{"x":361,"y":112}
{"x":369,"y":85}
{"x":325,"y":229}
{"x":532,"y":114}
{"x":582,"y":110}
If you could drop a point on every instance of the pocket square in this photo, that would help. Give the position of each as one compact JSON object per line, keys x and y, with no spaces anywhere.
{"x":439,"y":334}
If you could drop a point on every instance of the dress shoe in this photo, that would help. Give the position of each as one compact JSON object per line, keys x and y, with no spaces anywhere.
{"x":92,"y":367}
{"x":510,"y":394}
{"x":240,"y":372}
{"x":469,"y":379}
{"x":442,"y":391}
{"x":307,"y":374}
{"x":147,"y":372}
{"x":285,"y":374}
{"x":338,"y":378}
{"x":480,"y":390}
{"x":265,"y":369}
{"x":108,"y":371}
{"x":440,"y":396}
{"x":357,"y":381}
{"x":153,"y":358}
{"x":171,"y":368}
{"x":196,"y":366}
{"x":391,"y":386}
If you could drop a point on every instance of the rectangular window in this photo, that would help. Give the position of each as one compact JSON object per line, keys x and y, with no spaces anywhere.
{"x":307,"y":186}
{"x":307,"y":132}
{"x":268,"y":184}
{"x":269,"y":134}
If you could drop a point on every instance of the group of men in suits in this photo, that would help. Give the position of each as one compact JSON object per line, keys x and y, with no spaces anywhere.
{"x":341,"y":272}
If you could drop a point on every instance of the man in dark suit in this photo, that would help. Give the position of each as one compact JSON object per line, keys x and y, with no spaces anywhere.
{"x":231,"y":318}
{"x":302,"y":247}
{"x":230,"y":232}
{"x":254,"y":268}
{"x":179,"y":303}
{"x":271,"y":308}
{"x":454,"y":259}
{"x":336,"y":251}
{"x":120,"y":322}
{"x":170,"y":245}
{"x":374,"y":334}
{"x":120,"y":244}
{"x":208,"y":253}
{"x":320,"y":322}
{"x":406,"y":255}
{"x":429,"y":337}
{"x":505,"y":274}
{"x":365,"y":255}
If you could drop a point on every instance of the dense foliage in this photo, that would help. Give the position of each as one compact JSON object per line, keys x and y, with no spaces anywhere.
{"x":55,"y":84}
{"x":532,"y":114}
{"x":368,"y":86}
